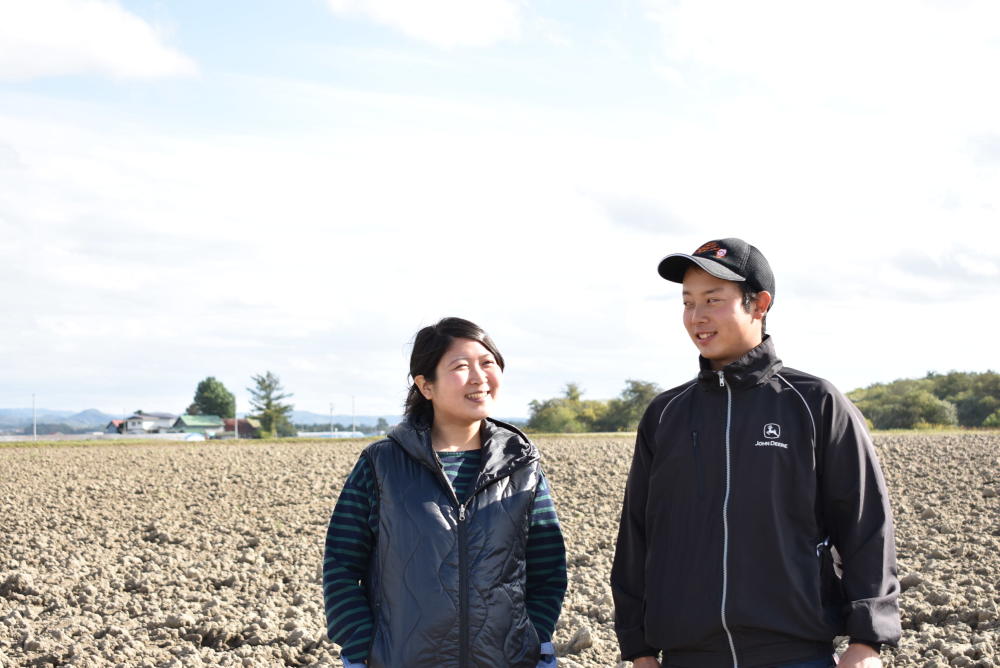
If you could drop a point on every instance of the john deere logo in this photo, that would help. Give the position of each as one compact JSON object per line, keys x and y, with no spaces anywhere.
{"x":772,"y":430}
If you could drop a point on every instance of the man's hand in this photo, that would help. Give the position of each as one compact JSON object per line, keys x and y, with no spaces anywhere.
{"x":859,"y":655}
{"x":646,"y":662}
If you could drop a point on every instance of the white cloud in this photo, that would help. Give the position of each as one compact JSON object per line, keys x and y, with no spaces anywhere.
{"x":66,"y":37}
{"x":932,"y":58}
{"x":319,"y":257}
{"x":443,"y":23}
{"x":317,"y":252}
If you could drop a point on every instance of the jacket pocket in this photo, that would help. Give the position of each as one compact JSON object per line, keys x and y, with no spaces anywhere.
{"x":831,"y":585}
{"x":699,"y":465}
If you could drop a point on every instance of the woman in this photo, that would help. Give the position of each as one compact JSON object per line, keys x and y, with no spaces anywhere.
{"x":444,"y":548}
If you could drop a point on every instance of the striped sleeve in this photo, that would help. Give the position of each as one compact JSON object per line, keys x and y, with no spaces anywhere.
{"x":350,"y":539}
{"x":546,"y":564}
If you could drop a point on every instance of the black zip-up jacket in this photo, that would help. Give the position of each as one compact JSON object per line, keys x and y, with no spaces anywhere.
{"x":752,"y":491}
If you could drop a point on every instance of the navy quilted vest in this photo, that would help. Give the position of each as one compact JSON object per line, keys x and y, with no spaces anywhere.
{"x":447,"y":576}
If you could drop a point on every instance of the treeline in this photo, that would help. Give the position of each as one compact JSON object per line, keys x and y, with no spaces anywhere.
{"x":955,"y":399}
{"x":965,"y":399}
{"x":571,"y":413}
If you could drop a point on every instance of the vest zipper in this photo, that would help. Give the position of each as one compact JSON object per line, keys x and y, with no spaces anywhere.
{"x":463,"y":559}
{"x":463,"y":567}
{"x":725,"y":520}
{"x":463,"y":589}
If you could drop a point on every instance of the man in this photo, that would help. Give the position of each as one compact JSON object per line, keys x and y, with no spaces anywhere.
{"x":756,"y":524}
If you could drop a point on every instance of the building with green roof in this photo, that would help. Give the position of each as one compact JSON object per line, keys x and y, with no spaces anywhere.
{"x":208,"y":425}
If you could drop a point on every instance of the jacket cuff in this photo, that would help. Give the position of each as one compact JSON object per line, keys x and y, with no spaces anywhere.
{"x":547,"y":655}
{"x":632,"y":643}
{"x":874,"y":622}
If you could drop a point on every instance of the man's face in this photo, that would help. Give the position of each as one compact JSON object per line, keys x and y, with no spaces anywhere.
{"x":715,"y":320}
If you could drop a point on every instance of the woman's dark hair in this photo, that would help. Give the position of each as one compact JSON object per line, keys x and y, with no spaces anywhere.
{"x":429,"y":346}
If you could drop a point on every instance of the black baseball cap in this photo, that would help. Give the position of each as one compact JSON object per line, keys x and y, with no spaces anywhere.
{"x":729,"y":259}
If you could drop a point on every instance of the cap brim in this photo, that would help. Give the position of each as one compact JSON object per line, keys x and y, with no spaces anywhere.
{"x":673,"y":267}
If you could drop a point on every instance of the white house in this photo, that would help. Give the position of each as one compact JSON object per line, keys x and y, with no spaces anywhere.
{"x":141,"y":422}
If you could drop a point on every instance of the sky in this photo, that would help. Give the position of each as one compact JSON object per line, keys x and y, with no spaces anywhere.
{"x":193,"y":189}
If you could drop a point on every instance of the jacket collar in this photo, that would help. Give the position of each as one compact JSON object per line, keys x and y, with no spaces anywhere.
{"x":753,"y":368}
{"x":505,"y":448}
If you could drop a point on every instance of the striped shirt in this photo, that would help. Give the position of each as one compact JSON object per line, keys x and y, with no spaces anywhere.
{"x":351,"y":537}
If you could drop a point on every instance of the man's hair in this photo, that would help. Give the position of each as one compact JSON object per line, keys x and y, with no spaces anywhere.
{"x":749,"y":299}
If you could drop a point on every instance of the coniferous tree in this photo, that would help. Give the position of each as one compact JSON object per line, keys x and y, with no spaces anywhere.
{"x":266,"y":397}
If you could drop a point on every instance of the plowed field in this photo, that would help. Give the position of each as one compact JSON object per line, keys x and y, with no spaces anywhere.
{"x":209,"y":554}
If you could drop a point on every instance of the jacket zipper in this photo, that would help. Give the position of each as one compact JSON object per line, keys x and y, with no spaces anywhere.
{"x":725,"y":520}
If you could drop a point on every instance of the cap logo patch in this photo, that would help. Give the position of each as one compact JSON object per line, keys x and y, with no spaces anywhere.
{"x":721,"y":252}
{"x":707,"y":248}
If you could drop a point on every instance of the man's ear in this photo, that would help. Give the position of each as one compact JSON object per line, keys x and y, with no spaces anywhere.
{"x":763,"y":304}
{"x":424,"y":386}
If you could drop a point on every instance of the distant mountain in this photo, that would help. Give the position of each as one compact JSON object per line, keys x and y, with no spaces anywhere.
{"x":305,"y":417}
{"x":21,"y":417}
{"x":18,"y":418}
{"x":90,"y":418}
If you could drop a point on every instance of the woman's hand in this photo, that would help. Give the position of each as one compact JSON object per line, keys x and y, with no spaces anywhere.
{"x":646,"y":662}
{"x":548,"y":658}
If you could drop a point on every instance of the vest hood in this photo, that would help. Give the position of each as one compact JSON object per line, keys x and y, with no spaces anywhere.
{"x":505,"y":447}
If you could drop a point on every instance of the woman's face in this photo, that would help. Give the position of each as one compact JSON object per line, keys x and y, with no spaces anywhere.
{"x":466,"y":384}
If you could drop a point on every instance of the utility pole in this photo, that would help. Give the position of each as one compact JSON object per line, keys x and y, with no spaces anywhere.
{"x":354,"y":426}
{"x":34,"y":421}
{"x":236,"y":420}
{"x":331,"y":419}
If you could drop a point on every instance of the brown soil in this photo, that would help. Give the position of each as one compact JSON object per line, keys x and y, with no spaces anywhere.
{"x":209,"y":554}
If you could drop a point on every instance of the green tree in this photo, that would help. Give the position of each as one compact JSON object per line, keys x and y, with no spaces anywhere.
{"x":904,"y":404}
{"x":555,"y":416}
{"x":974,"y":409}
{"x":625,"y":411}
{"x":266,"y":397}
{"x":950,"y":385}
{"x":976,"y":395}
{"x":993,"y":420}
{"x":573,"y":392}
{"x":568,"y":414}
{"x":212,"y":398}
